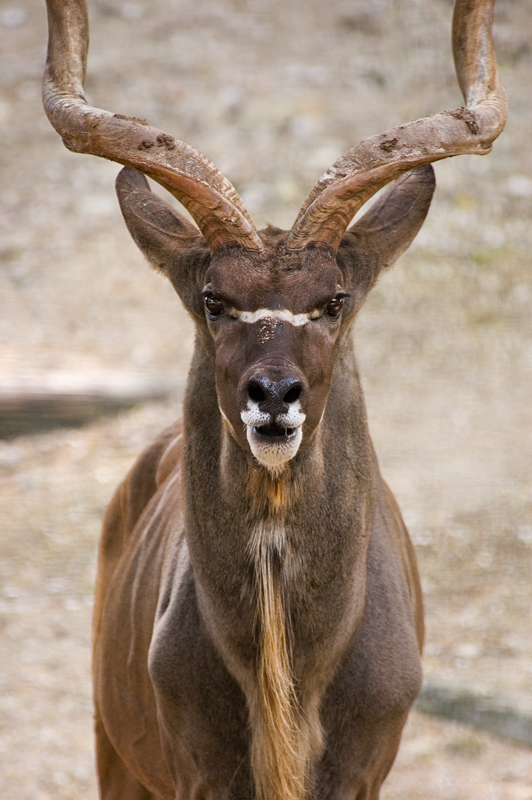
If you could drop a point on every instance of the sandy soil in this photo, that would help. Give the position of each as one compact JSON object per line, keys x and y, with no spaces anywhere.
{"x":272,"y":92}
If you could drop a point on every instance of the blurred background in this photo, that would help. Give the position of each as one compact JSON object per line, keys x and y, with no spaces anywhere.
{"x":272,"y":91}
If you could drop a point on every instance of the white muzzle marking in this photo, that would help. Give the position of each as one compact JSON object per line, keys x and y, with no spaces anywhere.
{"x":270,"y":450}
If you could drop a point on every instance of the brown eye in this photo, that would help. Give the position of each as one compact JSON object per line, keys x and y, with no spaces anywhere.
{"x":213,"y":306}
{"x":333,"y":309}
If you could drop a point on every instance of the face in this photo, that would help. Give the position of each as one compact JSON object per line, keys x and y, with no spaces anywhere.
{"x":274,"y":323}
{"x":274,"y":315}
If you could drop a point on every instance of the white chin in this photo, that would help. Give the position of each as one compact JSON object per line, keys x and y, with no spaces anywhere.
{"x":275,"y":454}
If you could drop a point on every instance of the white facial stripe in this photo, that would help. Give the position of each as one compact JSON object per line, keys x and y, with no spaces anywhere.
{"x":279,"y":315}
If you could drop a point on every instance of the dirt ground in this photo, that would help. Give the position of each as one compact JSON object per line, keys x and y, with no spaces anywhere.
{"x":272,"y":91}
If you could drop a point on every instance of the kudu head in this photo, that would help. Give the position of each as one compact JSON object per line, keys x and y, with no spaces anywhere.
{"x":272,"y":316}
{"x":273,"y":307}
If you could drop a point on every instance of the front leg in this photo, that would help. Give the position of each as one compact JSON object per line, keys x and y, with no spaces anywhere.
{"x":115,"y":781}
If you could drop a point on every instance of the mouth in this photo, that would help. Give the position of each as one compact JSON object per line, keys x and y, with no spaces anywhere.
{"x":274,"y":432}
{"x":273,"y":440}
{"x":273,"y":445}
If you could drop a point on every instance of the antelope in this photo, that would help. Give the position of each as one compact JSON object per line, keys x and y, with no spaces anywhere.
{"x":258,"y":617}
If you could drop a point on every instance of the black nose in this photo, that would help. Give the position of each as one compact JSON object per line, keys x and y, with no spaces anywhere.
{"x":274,"y":397}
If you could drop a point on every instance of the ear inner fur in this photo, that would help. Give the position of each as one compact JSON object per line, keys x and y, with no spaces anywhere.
{"x":390,"y":226}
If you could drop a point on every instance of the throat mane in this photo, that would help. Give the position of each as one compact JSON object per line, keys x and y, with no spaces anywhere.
{"x":280,"y":744}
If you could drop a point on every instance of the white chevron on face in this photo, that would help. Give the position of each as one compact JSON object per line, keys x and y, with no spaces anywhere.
{"x":278,"y":315}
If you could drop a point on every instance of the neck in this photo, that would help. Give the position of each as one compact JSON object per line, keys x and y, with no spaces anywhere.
{"x":275,"y":560}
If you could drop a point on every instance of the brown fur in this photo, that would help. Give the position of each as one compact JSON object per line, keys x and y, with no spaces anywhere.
{"x":252,"y":640}
{"x":255,"y":629}
{"x":279,"y":765}
{"x":282,"y":749}
{"x":267,"y":496}
{"x":278,"y":758}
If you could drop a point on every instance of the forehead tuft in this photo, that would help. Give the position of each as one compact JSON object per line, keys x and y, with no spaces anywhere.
{"x":274,"y":270}
{"x":274,"y":276}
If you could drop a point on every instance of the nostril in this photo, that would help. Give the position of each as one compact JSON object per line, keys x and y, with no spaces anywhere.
{"x":293,"y":394}
{"x":256,"y":393}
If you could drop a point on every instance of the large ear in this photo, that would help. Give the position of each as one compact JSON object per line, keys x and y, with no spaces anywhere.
{"x":386,"y":231}
{"x":169,"y":242}
{"x":156,"y":228}
{"x":393,"y":222}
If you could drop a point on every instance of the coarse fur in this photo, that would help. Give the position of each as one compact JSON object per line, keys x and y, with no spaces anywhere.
{"x":278,"y":756}
{"x":285,"y":739}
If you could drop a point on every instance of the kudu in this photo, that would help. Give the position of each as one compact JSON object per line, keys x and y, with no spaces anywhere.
{"x":258,"y":620}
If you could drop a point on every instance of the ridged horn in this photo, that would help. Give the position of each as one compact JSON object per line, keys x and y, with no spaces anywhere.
{"x":366,"y":168}
{"x":187,"y":174}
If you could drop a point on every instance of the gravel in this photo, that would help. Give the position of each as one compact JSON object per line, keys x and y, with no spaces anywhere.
{"x":272,"y":92}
